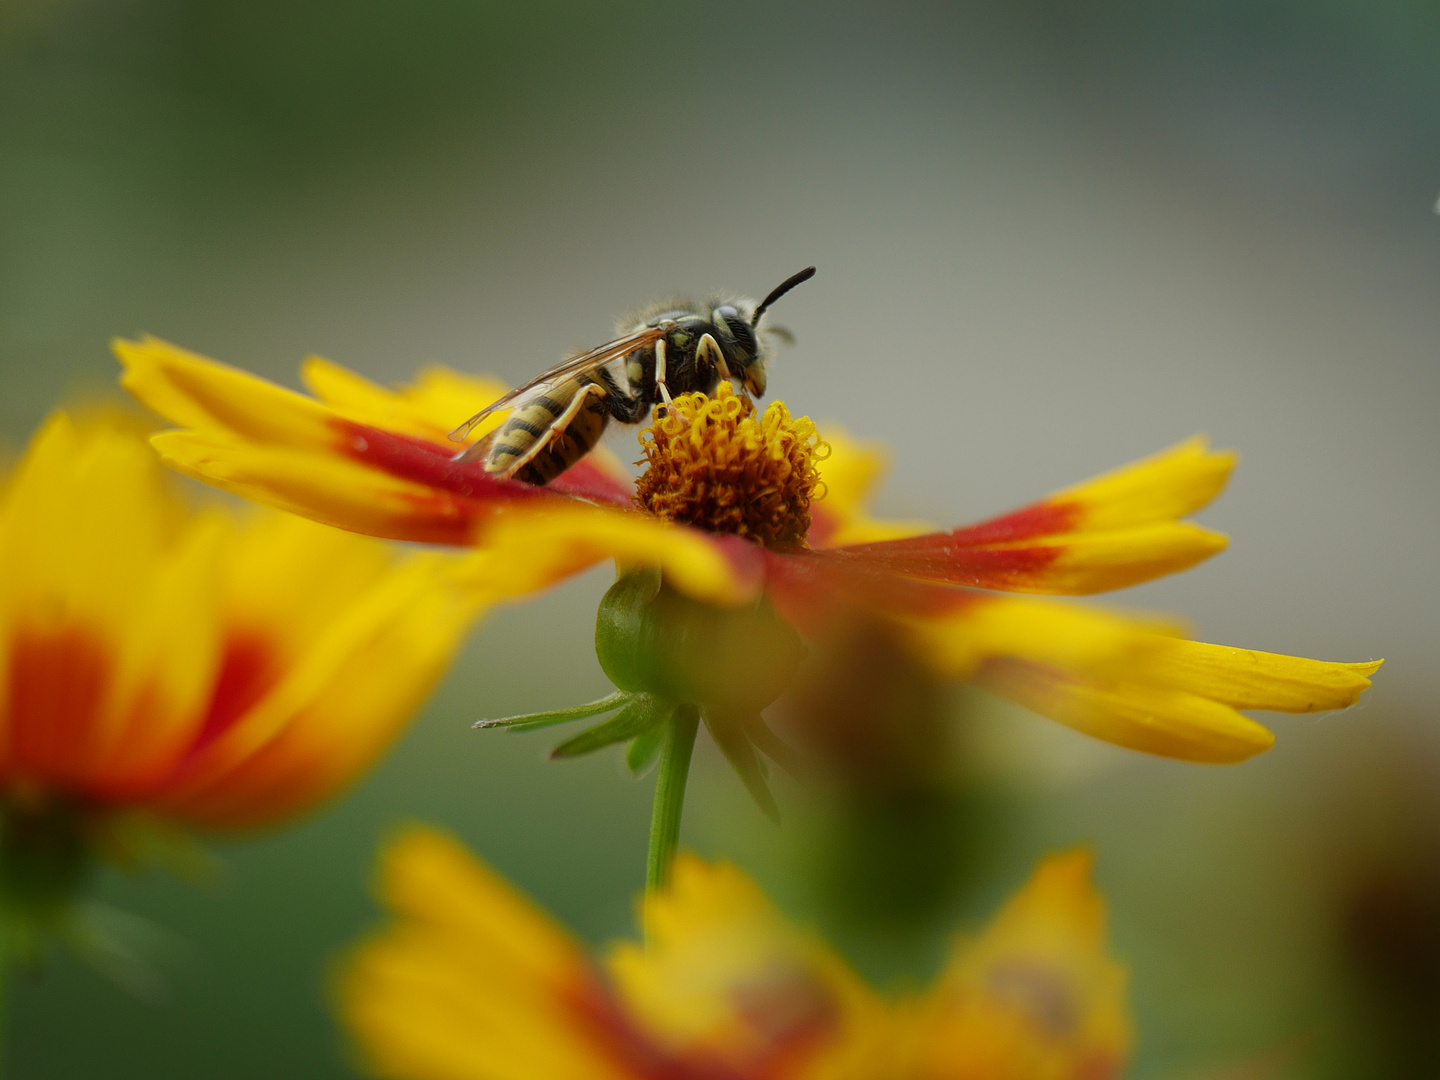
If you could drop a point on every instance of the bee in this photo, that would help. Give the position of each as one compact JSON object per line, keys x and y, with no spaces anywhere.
{"x":557,"y":417}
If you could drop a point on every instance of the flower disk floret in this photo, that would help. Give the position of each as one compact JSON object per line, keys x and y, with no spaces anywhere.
{"x":711,"y":463}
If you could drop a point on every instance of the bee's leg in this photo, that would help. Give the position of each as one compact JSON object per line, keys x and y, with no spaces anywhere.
{"x":557,"y":429}
{"x":660,"y":373}
{"x":620,"y":405}
{"x":710,"y":348}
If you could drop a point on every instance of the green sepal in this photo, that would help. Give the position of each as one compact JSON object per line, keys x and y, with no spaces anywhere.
{"x":643,"y":750}
{"x":730,"y":735}
{"x":531,"y":721}
{"x":772,"y":746}
{"x":644,"y":714}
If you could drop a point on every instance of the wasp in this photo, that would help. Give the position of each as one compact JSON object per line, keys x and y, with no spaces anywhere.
{"x":676,"y":348}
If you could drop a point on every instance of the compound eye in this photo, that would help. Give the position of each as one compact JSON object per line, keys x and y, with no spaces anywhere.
{"x":740,"y":330}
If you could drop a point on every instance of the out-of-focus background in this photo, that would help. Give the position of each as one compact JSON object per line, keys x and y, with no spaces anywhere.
{"x":1052,"y":237}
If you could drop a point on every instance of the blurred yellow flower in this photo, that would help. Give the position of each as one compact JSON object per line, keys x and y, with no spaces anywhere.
{"x":470,"y":981}
{"x":162,"y":664}
{"x":378,"y":461}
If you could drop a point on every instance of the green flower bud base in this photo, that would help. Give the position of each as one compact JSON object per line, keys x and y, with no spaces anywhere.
{"x":676,"y":661}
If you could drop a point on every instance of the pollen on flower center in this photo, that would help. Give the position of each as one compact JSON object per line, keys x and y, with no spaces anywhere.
{"x":712,"y":464}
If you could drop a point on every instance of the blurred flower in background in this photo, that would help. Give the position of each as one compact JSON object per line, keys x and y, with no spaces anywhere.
{"x":164,"y":669}
{"x":471,"y":980}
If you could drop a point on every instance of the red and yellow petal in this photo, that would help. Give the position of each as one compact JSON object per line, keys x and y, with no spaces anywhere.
{"x":1037,"y":995}
{"x":97,"y":691}
{"x":328,"y":487}
{"x":724,"y":976}
{"x":367,"y":459}
{"x":1114,"y":531}
{"x":1130,"y":681}
{"x":337,"y":703}
{"x":427,"y":411}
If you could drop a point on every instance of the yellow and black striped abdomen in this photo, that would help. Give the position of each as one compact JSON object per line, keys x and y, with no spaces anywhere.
{"x":546,"y":435}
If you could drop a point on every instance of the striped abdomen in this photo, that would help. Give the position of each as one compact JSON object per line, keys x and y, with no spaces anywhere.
{"x":546,"y":435}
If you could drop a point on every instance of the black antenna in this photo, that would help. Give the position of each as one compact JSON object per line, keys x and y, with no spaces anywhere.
{"x":779,"y":291}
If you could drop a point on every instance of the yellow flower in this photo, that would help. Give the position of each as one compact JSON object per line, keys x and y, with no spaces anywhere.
{"x":378,"y":461}
{"x":471,"y":981}
{"x":162,"y":664}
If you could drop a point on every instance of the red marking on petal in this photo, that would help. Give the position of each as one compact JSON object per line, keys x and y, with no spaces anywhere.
{"x":423,"y":462}
{"x":813,"y":590}
{"x":586,"y":480}
{"x":823,"y":525}
{"x":58,"y":680}
{"x":747,"y":559}
{"x":640,"y":1055}
{"x":1042,"y":519}
{"x":955,"y":564}
{"x":249,"y":669}
{"x":460,"y":492}
{"x":1016,"y":675}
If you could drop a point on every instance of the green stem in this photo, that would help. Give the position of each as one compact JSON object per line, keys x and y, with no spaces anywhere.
{"x":670,"y":794}
{"x":6,"y":970}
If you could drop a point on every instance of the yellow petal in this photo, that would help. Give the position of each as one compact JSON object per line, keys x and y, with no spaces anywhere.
{"x":981,"y":628}
{"x":1155,"y":720}
{"x":1246,"y":679}
{"x":525,"y":549}
{"x":472,"y":981}
{"x":430,"y":410}
{"x":324,"y":487}
{"x":1094,"y":562}
{"x":85,"y":523}
{"x":1163,"y":487}
{"x":850,"y":474}
{"x":205,"y":395}
{"x":294,"y":578}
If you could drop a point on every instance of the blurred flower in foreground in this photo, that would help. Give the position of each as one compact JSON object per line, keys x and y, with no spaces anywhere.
{"x":473,"y":981}
{"x":728,"y":521}
{"x":161,"y":668}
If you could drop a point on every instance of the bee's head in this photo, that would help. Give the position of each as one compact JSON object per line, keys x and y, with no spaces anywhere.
{"x":744,"y":356}
{"x":744,"y":353}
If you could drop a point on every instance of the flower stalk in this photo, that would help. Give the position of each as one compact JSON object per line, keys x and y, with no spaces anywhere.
{"x":677,"y":661}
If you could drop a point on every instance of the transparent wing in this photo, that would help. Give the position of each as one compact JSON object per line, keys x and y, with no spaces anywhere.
{"x":568,"y":369}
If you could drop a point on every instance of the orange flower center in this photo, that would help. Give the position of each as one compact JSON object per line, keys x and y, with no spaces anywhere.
{"x":711,"y":463}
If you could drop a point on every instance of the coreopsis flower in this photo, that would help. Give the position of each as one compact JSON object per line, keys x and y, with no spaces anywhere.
{"x":471,"y":980}
{"x":165,"y":670}
{"x":758,"y":515}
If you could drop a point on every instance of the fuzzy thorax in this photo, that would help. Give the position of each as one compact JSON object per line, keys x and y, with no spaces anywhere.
{"x":711,"y":463}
